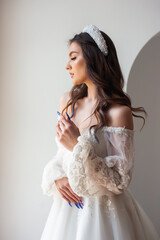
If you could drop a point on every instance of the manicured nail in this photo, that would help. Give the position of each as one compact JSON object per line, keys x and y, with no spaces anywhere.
{"x":68,"y":116}
{"x":81,"y":202}
{"x":58,"y":113}
{"x":80,"y":205}
{"x":69,"y":204}
{"x":76,"y":205}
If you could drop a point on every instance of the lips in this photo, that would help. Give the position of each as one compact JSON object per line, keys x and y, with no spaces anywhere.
{"x":71,"y":75}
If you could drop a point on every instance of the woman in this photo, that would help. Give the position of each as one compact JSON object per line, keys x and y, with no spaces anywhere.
{"x":90,"y":174}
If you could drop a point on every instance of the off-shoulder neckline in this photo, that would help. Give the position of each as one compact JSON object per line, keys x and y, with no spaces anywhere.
{"x":112,"y":129}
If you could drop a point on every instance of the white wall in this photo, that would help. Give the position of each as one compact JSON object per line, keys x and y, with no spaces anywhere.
{"x":34,"y":52}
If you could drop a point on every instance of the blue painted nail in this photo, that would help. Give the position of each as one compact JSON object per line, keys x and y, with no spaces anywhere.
{"x":81,"y":202}
{"x":76,"y":205}
{"x":69,"y":204}
{"x":80,"y":205}
{"x":58,"y":113}
{"x":68,"y":116}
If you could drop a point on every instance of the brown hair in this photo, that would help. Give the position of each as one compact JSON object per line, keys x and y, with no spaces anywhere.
{"x":105,"y":73}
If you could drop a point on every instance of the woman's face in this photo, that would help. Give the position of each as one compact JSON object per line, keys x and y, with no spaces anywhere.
{"x":77,"y":64}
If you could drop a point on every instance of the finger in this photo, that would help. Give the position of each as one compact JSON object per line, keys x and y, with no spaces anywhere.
{"x":61,"y":117}
{"x":74,"y":194}
{"x":65,"y":197}
{"x":59,"y":128}
{"x":64,"y":121}
{"x":58,"y":135}
{"x":62,"y":126}
{"x":65,"y":128}
{"x":68,"y":196}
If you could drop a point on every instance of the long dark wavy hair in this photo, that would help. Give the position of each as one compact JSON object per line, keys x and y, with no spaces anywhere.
{"x":105,"y":73}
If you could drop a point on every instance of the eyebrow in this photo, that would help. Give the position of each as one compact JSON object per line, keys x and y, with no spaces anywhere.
{"x":72,"y":52}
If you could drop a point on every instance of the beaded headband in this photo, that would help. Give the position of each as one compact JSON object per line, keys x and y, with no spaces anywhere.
{"x":95,"y":33}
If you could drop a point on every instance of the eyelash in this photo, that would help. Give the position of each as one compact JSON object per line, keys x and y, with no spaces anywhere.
{"x":73,"y":58}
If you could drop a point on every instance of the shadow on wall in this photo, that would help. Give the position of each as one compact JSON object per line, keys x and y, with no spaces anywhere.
{"x":144,"y":89}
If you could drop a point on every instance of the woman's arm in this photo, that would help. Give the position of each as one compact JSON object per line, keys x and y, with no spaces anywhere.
{"x":54,"y":177}
{"x":90,"y":175}
{"x":53,"y":169}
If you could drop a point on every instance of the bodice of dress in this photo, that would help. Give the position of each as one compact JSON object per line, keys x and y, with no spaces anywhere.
{"x":94,"y":169}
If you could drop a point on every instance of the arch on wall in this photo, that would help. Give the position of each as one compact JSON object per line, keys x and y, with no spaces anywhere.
{"x":144,"y":89}
{"x":142,"y":49}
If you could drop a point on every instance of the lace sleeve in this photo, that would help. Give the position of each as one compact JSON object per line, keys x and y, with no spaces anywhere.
{"x":53,"y":171}
{"x":91,"y":175}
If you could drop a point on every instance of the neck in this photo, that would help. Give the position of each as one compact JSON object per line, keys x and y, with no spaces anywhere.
{"x":92,"y":92}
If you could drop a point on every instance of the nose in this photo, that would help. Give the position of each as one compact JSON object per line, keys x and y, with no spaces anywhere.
{"x":67,"y":67}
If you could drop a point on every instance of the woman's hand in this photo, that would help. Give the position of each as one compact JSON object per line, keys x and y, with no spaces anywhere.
{"x":66,"y":191}
{"x":67,"y":133}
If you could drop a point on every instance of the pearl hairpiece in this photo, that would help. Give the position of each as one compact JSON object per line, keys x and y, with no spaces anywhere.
{"x":95,"y":33}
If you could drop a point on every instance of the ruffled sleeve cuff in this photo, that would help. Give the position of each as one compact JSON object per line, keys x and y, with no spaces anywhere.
{"x":53,"y":171}
{"x":91,"y":175}
{"x":50,"y":174}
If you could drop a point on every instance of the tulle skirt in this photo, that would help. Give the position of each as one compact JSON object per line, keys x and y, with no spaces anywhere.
{"x":118,"y":217}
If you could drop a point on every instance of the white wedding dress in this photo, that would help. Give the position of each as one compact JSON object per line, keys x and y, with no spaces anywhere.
{"x":100,"y":173}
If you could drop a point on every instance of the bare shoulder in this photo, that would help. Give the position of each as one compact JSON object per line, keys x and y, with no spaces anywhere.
{"x":63,"y":100}
{"x":121,"y":116}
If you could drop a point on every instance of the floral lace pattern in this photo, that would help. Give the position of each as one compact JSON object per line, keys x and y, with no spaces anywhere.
{"x":92,"y":175}
{"x":104,"y":202}
{"x":89,"y":174}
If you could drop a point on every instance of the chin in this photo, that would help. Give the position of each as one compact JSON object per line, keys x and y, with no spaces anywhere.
{"x":76,"y":82}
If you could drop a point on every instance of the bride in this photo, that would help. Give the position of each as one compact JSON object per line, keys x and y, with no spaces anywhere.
{"x":89,"y":175}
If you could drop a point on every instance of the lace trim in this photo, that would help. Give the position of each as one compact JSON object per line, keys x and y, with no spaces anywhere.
{"x":90,"y":174}
{"x":119,"y":130}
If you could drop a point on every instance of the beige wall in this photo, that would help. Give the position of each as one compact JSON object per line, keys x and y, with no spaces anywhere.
{"x":143,"y":87}
{"x":34,"y":52}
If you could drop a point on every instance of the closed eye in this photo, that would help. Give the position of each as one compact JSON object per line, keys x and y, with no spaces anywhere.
{"x":73,"y":58}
